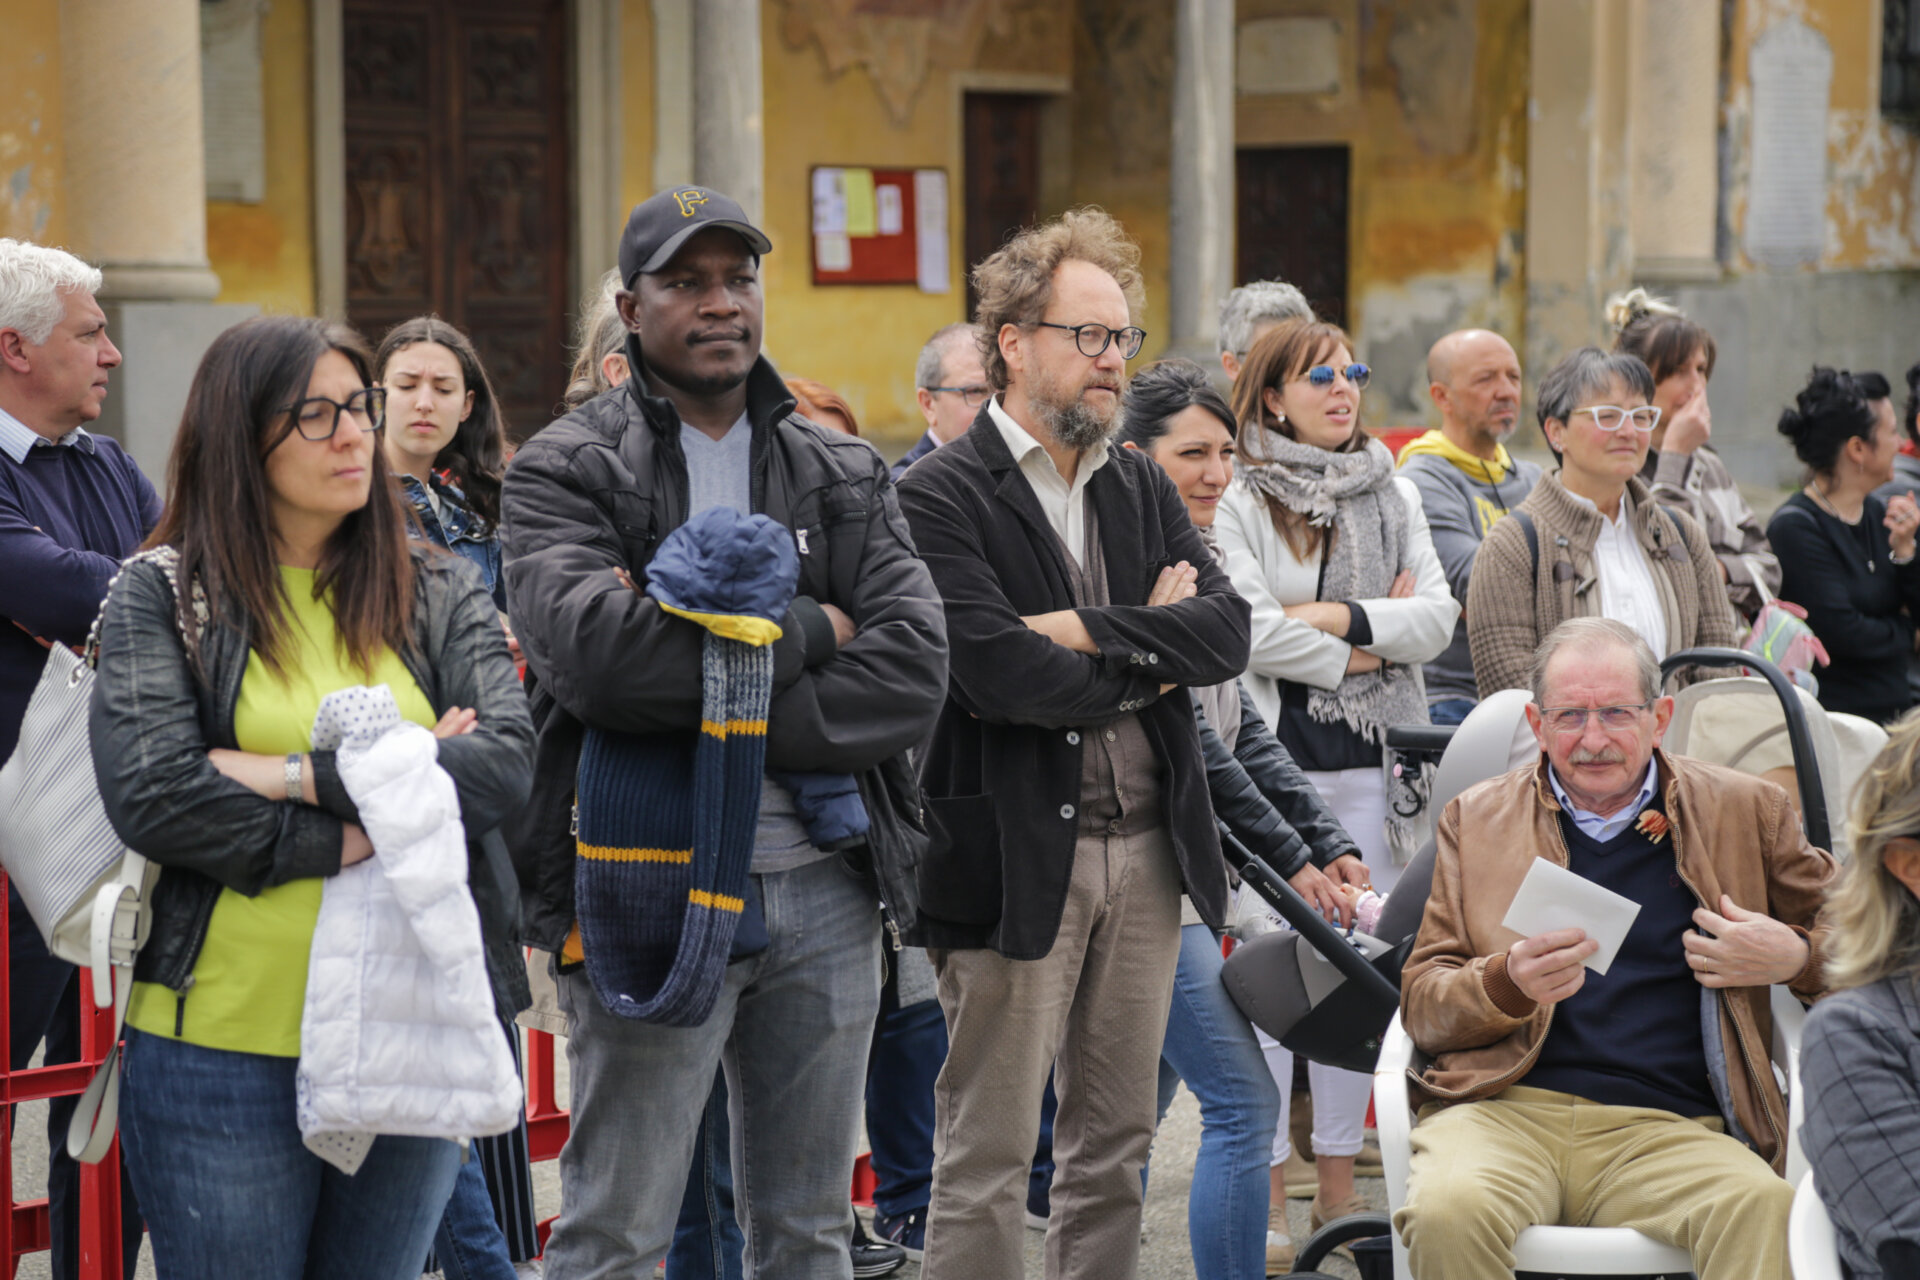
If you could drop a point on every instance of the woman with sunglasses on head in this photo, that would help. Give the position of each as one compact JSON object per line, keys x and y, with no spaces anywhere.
{"x":1175,"y":417}
{"x":1331,"y":549}
{"x":1590,"y":541}
{"x":1848,"y":556}
{"x":295,"y":580}
{"x":1682,"y":470}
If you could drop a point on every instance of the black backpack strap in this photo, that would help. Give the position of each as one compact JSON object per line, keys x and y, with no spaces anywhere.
{"x":1533,"y":539}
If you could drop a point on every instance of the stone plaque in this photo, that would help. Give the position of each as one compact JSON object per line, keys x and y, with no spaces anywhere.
{"x":231,"y":99}
{"x":1289,"y":55}
{"x":1792,"y":69}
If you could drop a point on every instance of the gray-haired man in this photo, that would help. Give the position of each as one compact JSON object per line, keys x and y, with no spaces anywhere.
{"x":950,"y":386}
{"x":1251,"y":310}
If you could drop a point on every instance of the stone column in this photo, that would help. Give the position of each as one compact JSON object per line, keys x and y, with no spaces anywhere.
{"x":137,"y":204}
{"x":1676,"y":126}
{"x":1200,"y":255}
{"x":729,"y":136}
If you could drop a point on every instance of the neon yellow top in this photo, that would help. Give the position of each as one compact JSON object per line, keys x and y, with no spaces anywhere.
{"x":250,"y":981}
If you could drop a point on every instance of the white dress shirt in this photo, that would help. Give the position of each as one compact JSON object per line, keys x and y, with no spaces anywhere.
{"x":16,"y":438}
{"x":1592,"y":825}
{"x":1628,"y":592}
{"x":1065,"y":505}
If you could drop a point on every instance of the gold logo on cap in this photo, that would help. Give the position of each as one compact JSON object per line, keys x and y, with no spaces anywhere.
{"x":689,"y":200}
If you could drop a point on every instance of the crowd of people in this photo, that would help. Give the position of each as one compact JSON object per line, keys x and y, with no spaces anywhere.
{"x":800,"y":789}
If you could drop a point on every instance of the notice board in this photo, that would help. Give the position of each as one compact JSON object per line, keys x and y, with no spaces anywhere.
{"x":880,"y":226}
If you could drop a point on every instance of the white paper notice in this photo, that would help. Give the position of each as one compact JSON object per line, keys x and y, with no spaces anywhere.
{"x":833,"y":252}
{"x":930,"y":229}
{"x":829,"y":202}
{"x":890,"y":210}
{"x":1552,"y":897}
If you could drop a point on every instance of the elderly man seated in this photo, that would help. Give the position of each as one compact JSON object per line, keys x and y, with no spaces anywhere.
{"x":1642,"y":1098}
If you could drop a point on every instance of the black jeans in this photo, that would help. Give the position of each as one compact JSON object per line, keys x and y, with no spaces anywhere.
{"x":44,"y":994}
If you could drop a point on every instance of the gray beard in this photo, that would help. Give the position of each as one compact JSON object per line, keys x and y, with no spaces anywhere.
{"x":1077,"y":426}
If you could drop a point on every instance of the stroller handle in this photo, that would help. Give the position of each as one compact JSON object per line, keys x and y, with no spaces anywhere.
{"x":1806,"y":765}
{"x":1319,"y":935}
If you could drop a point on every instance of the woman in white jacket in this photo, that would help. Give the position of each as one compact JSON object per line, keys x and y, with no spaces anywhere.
{"x":1332,"y":550}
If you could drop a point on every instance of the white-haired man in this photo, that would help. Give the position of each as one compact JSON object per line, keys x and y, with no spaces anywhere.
{"x":72,"y":506}
{"x":950,"y":386}
{"x":1249,"y":311}
{"x":1640,"y":1097}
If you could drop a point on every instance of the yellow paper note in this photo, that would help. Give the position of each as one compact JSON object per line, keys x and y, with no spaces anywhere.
{"x":862,"y":217}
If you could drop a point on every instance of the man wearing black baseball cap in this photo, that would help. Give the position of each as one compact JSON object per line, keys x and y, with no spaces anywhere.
{"x":859,"y":673}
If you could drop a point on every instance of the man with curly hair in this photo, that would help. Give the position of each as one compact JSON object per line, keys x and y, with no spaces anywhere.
{"x":1066,"y":794}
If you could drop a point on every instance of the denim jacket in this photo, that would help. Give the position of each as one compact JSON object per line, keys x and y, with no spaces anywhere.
{"x":457,"y":528}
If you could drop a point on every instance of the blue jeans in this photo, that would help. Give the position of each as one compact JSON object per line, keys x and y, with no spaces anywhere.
{"x":908,"y":1047}
{"x":792,"y":1026}
{"x":229,"y":1190}
{"x":469,"y":1244}
{"x":707,"y":1244}
{"x":1212,"y":1047}
{"x":1450,"y":710}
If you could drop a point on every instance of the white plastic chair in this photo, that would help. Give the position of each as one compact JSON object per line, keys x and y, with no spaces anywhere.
{"x":1811,"y":1247}
{"x":1567,"y":1251}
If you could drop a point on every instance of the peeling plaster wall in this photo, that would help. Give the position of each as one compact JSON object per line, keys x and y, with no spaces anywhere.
{"x":1434,"y":107}
{"x":31,"y":140}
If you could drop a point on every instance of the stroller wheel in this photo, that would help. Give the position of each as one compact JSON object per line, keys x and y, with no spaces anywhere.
{"x":1354,"y":1227}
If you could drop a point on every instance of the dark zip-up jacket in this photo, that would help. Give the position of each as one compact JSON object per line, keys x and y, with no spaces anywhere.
{"x":1264,"y":798}
{"x":153,"y":720}
{"x":1002,"y":775}
{"x":595,"y":493}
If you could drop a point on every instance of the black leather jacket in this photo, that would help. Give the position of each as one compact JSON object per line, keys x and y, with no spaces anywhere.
{"x":1264,"y":798}
{"x":153,"y":720}
{"x":596,"y":493}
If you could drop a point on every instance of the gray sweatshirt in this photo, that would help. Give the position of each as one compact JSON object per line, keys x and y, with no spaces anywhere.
{"x":1463,"y":496}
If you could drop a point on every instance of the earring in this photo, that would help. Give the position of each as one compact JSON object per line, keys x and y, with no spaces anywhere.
{"x":1280,"y":419}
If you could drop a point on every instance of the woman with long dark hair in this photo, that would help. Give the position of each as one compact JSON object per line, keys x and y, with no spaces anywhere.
{"x":445,"y":440}
{"x":295,"y":579}
{"x":1349,"y":599}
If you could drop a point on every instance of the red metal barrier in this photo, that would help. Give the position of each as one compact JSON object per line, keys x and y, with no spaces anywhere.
{"x":24,"y":1226}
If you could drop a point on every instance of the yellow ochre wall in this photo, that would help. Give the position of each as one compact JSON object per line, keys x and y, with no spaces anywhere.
{"x":1873,"y":166}
{"x":31,"y":141}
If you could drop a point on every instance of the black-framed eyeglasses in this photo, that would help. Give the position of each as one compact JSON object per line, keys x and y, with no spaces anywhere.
{"x":1574,"y":719}
{"x":1321,"y":375}
{"x":316,"y":418}
{"x":972,"y":397}
{"x":1092,"y":339}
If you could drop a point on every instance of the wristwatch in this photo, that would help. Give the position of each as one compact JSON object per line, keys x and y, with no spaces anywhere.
{"x":293,"y":777}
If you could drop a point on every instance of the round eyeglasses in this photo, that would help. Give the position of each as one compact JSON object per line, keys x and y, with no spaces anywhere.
{"x":1321,"y":375}
{"x":1092,"y":339}
{"x":316,"y":418}
{"x":1611,"y":417}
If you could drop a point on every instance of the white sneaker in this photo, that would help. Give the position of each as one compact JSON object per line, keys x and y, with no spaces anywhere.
{"x":1280,"y":1252}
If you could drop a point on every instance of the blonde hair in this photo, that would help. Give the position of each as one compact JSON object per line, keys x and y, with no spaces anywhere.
{"x":1015,"y":283}
{"x":1875,"y":921}
{"x":1636,"y":304}
{"x":600,"y":333}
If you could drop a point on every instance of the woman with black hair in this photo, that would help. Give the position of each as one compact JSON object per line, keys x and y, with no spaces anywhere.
{"x":1906,"y":462}
{"x":295,"y":580}
{"x":445,"y":441}
{"x":1175,"y":417}
{"x":1847,"y":556}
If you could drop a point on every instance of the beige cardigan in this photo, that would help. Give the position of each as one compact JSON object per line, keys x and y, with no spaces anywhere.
{"x":1512,"y":605}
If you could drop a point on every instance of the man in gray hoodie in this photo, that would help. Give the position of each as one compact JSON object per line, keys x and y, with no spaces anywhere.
{"x":1467,"y":480}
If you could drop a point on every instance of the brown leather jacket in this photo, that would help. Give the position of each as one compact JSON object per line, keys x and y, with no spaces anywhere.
{"x":1731,"y":834}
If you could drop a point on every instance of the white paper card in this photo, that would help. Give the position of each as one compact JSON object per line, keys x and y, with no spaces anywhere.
{"x":833,"y":251}
{"x":890,"y":210}
{"x":1552,"y":897}
{"x":829,"y":202}
{"x":930,"y":230}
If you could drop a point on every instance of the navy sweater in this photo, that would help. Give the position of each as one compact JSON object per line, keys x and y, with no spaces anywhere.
{"x":67,"y":519}
{"x":1633,"y":1038}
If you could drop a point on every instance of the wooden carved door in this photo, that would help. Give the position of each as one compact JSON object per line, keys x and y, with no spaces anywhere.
{"x":1293,"y":222}
{"x":1003,"y":172}
{"x":457,"y":182}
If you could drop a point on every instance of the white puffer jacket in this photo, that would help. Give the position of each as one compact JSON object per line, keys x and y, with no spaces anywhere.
{"x":399,"y":1033}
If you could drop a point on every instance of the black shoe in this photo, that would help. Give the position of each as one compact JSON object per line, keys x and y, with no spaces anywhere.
{"x":871,"y":1258}
{"x":908,"y":1231}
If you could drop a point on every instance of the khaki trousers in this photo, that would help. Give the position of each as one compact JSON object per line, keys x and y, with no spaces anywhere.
{"x":1485,"y":1171}
{"x":1098,"y":1002}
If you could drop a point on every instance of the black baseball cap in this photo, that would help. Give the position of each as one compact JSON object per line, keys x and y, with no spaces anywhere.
{"x":657,"y":227}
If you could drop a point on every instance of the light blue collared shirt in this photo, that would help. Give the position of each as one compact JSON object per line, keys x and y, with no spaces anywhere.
{"x":17,"y":438}
{"x":1592,"y":825}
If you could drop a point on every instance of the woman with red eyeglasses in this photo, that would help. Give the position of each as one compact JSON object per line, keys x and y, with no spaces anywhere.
{"x":1349,"y":599}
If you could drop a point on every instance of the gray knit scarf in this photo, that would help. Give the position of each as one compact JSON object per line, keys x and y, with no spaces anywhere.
{"x":1352,"y":494}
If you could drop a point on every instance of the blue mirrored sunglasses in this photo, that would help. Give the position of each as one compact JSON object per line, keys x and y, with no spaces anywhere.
{"x":1321,"y":375}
